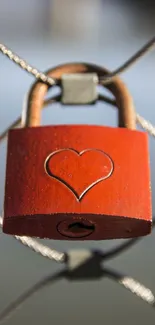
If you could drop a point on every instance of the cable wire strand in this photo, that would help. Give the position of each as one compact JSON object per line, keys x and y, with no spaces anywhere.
{"x":17,"y":303}
{"x":128,"y":282}
{"x":145,"y":124}
{"x":51,"y":81}
{"x":133,"y":286}
{"x":17,"y":122}
{"x":132,"y":60}
{"x":39,"y":248}
{"x":26,"y":66}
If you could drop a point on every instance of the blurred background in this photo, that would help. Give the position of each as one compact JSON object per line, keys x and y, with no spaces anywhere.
{"x":47,"y":33}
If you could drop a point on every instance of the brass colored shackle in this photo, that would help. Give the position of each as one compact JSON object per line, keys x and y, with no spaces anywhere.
{"x":124,"y":102}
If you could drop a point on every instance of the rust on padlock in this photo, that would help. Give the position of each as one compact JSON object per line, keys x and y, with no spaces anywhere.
{"x":124,"y":100}
{"x":78,"y":182}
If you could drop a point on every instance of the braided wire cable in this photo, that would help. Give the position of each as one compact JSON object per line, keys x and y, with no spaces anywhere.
{"x":51,"y":81}
{"x":39,"y":248}
{"x":128,"y":282}
{"x":26,"y":66}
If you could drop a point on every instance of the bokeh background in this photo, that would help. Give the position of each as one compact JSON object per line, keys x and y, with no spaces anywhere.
{"x":47,"y":33}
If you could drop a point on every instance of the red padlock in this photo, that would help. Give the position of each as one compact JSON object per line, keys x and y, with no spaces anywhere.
{"x":78,"y":182}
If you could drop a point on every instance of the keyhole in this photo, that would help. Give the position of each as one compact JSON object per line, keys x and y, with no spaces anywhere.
{"x":76,"y":227}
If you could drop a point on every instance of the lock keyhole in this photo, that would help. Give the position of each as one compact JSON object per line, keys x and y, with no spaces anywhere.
{"x":76,"y":227}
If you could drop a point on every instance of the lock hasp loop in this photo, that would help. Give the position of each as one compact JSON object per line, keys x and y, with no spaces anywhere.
{"x":124,"y":102}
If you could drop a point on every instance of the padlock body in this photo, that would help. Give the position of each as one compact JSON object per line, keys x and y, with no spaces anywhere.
{"x":77,"y":182}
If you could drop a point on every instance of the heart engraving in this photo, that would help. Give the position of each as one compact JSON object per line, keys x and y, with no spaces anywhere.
{"x":79,"y":171}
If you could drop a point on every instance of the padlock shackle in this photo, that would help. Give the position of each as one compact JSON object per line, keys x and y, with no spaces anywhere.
{"x":124,"y":102}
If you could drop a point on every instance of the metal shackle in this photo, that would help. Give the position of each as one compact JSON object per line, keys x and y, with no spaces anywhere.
{"x":124,"y":102}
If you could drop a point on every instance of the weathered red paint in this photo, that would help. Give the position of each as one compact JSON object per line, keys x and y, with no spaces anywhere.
{"x":87,"y":175}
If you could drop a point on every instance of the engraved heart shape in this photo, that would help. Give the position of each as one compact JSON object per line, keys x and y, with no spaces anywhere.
{"x":79,"y":171}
